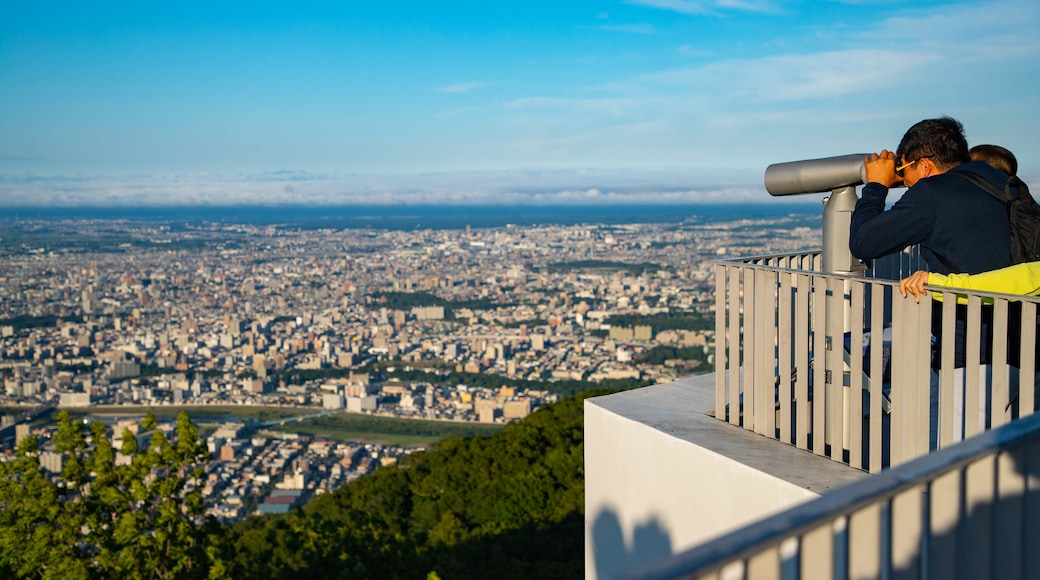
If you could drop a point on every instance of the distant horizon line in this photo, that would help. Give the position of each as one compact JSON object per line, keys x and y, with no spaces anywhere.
{"x":402,"y":217}
{"x":807,"y":200}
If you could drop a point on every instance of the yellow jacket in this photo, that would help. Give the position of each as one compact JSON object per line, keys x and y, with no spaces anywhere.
{"x":1023,"y":279}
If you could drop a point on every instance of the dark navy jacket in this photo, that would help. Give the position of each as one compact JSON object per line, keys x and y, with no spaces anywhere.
{"x":946,"y":214}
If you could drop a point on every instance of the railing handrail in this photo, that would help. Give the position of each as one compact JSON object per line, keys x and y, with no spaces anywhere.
{"x":747,"y":259}
{"x":883,"y":281}
{"x":980,"y":293}
{"x":746,"y":262}
{"x":738,"y":545}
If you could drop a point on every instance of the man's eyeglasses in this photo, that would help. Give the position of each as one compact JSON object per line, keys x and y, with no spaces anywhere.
{"x":899,"y":169}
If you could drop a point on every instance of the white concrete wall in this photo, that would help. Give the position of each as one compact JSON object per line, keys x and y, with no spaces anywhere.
{"x":651,"y":492}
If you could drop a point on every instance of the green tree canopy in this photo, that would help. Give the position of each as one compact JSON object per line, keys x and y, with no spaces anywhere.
{"x":135,"y":513}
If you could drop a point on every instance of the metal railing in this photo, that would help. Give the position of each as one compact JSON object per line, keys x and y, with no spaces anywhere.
{"x":969,"y":511}
{"x":843,"y":366}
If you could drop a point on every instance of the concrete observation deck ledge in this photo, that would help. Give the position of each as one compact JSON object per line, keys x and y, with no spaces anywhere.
{"x":662,"y":475}
{"x":681,"y":408}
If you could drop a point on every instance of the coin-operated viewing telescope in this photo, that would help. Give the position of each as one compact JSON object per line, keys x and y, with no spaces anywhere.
{"x":839,"y":176}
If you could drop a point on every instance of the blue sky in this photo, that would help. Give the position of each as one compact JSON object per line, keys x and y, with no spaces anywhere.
{"x":466,"y":102}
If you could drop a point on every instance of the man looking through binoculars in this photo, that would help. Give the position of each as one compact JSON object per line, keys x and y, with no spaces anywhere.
{"x":960,"y":228}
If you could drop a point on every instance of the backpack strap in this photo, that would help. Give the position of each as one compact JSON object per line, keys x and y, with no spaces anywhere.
{"x":983,"y":184}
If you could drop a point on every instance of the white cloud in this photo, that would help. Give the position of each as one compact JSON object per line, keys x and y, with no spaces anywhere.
{"x":919,"y":49}
{"x":857,"y":94}
{"x":681,"y":6}
{"x":580,"y":186}
{"x":641,"y":28}
{"x":823,"y":75}
{"x":456,"y":112}
{"x":604,"y":107}
{"x":708,"y":7}
{"x":691,"y":50}
{"x":460,"y":87}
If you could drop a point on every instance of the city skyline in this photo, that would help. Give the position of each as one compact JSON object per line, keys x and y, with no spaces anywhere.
{"x":662,"y":101}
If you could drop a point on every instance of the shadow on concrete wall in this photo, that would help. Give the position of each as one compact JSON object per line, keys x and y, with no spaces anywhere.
{"x":614,"y":555}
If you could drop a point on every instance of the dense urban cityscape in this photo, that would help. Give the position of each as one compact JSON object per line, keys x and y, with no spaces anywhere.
{"x":115,"y":318}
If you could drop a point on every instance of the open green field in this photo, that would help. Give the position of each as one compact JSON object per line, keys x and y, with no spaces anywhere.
{"x":389,"y":430}
{"x":345,"y":435}
{"x":340,"y":427}
{"x":196,"y":413}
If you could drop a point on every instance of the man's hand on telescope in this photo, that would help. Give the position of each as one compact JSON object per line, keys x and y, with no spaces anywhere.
{"x":881,"y":168}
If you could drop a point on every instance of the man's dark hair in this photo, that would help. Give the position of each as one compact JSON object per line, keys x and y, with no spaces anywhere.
{"x":996,"y":156}
{"x":942,"y":140}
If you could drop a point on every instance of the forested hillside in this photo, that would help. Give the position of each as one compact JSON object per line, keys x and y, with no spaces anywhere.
{"x":509,"y":505}
{"x":506,"y":505}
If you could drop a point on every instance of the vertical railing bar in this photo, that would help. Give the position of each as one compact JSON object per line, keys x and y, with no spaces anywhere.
{"x":907,"y":531}
{"x":917,"y":414}
{"x":900,"y":400}
{"x":945,"y":493}
{"x":877,"y":373}
{"x":776,"y":338}
{"x":784,"y":346}
{"x":721,"y":304}
{"x":999,"y":387}
{"x":926,"y":527}
{"x":951,"y":401}
{"x":975,"y":528}
{"x":736,"y":404}
{"x":1009,"y":503}
{"x":856,"y":376}
{"x":911,"y":391}
{"x":751,"y":418}
{"x":864,"y":541}
{"x":802,"y":419}
{"x":818,"y":550}
{"x":921,"y":384}
{"x":1030,"y":457}
{"x":835,"y":320}
{"x":765,"y":352}
{"x":819,"y":358}
{"x":1027,"y":364}
{"x":971,"y":368}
